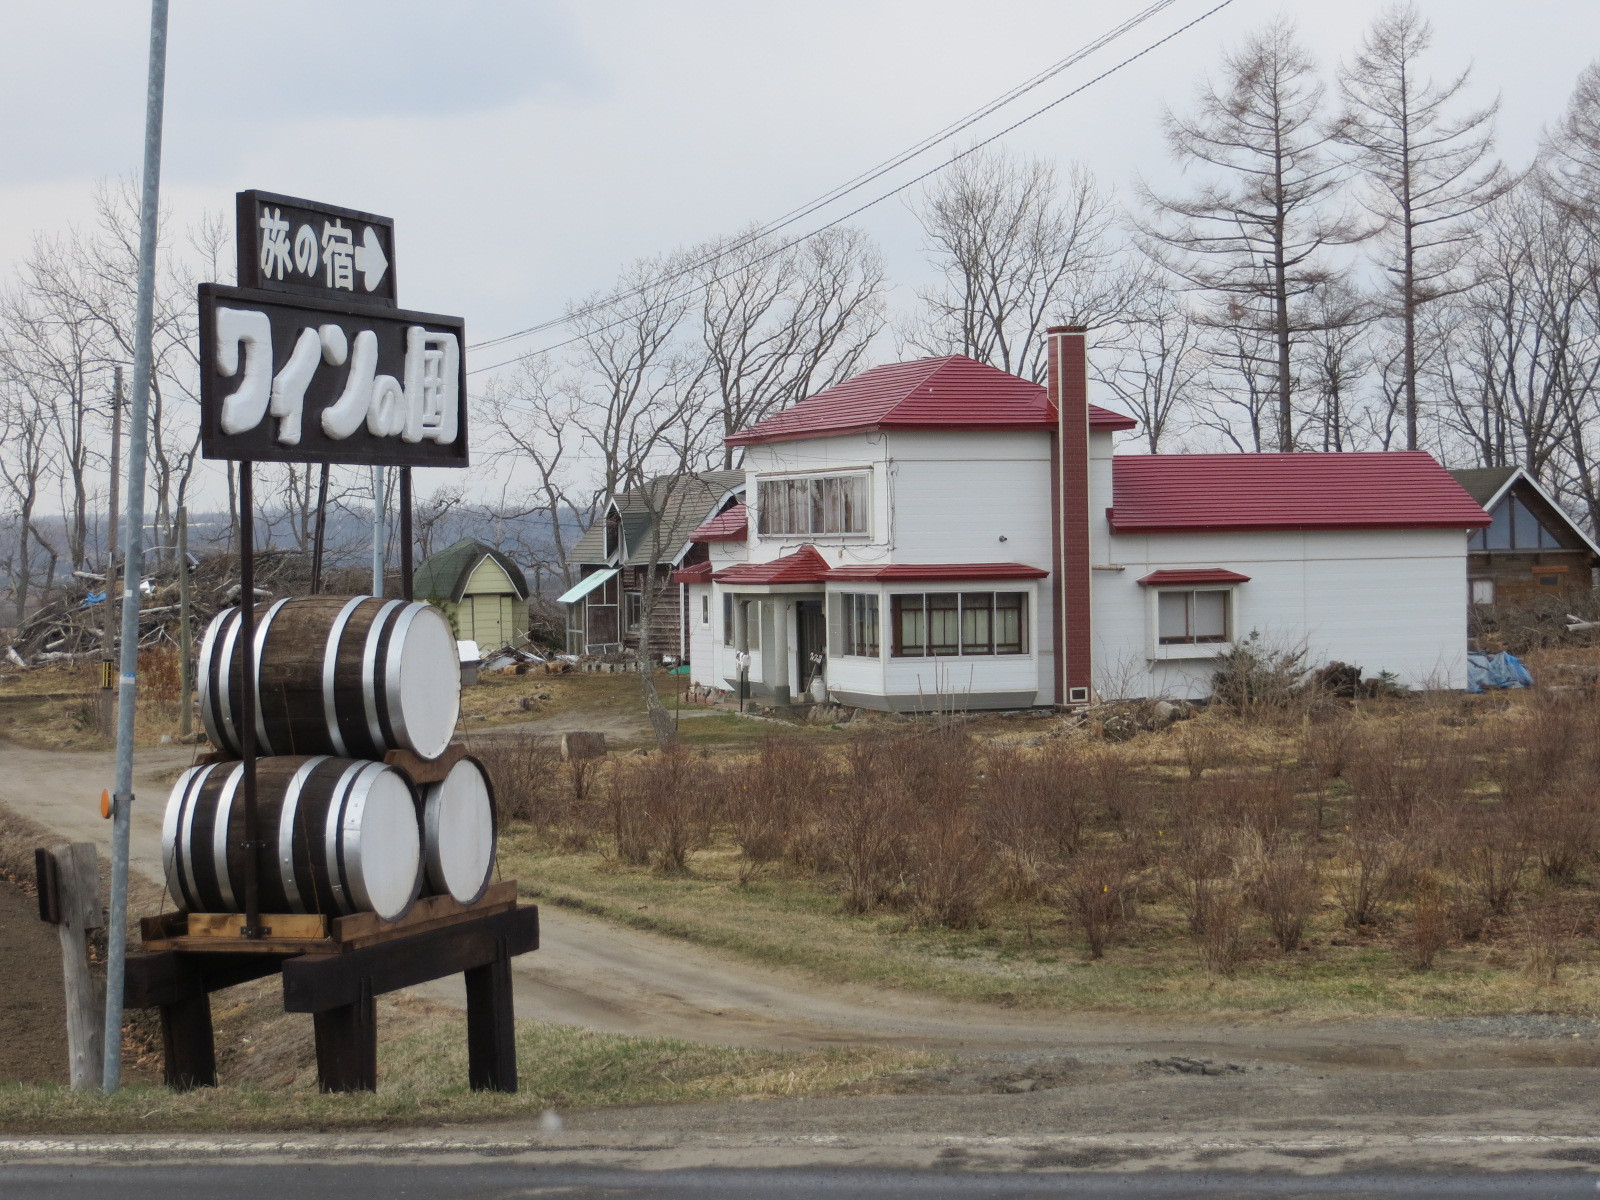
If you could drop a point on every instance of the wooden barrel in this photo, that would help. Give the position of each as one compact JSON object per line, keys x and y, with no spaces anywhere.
{"x":458,"y":832}
{"x":353,"y":676}
{"x":341,"y":836}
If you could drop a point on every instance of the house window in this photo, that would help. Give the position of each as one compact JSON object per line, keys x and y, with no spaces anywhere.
{"x":818,"y":504}
{"x":1192,"y":617}
{"x":634,"y":609}
{"x":1483,"y":591}
{"x":858,"y":625}
{"x":613,"y":535}
{"x":1515,"y":528}
{"x":940,"y":624}
{"x":705,"y":610}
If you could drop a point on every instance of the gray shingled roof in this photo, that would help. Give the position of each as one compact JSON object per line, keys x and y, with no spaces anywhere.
{"x":1482,"y":483}
{"x":682,"y":503}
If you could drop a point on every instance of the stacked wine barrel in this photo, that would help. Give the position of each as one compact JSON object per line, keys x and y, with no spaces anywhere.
{"x":339,"y":683}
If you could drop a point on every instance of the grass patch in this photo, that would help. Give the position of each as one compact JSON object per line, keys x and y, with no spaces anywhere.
{"x":422,"y":1081}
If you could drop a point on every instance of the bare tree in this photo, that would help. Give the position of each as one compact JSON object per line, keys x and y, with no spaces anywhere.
{"x":1334,"y":358}
{"x":1428,"y":170}
{"x":1569,"y":159}
{"x":781,"y":325}
{"x":1255,"y":231}
{"x":1155,"y":363}
{"x":1018,"y":249}
{"x":26,"y":465}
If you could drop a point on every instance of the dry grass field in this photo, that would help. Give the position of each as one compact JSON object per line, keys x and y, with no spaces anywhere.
{"x":1426,"y":854}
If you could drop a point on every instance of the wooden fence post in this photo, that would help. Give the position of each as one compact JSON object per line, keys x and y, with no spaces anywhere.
{"x":69,"y":894}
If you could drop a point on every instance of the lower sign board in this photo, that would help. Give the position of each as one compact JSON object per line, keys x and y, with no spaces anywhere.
{"x":286,"y":379}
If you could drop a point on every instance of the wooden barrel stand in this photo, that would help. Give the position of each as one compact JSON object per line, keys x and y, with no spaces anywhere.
{"x":338,"y":983}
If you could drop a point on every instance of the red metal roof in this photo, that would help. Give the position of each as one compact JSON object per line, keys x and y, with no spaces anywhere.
{"x":732,"y":525}
{"x":805,"y":565}
{"x":700,"y":572}
{"x":1193,"y":575}
{"x":934,"y":572}
{"x":952,"y":393}
{"x":1170,"y":493}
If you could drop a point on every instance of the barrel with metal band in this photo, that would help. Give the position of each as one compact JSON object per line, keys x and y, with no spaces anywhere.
{"x":339,"y":836}
{"x":458,"y":832}
{"x":353,"y":676}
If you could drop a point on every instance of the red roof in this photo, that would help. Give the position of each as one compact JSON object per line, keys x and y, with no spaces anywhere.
{"x":1173,"y":493}
{"x":933,"y":572}
{"x":732,"y":525}
{"x":700,"y":572}
{"x":954,"y":392}
{"x":1193,"y":575}
{"x":805,"y":565}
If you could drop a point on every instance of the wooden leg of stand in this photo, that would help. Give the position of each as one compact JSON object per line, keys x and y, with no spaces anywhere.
{"x":347,"y":1046}
{"x":189,"y":1053}
{"x":491,"y":1028}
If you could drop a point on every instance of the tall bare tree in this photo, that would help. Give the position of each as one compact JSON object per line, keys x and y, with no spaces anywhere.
{"x":1154,"y":363}
{"x":1018,"y":248}
{"x":1428,"y":169}
{"x":1255,"y":231}
{"x":780,"y":325}
{"x":1569,"y":159}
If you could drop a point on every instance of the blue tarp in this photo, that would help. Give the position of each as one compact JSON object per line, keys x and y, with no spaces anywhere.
{"x":1496,"y":671}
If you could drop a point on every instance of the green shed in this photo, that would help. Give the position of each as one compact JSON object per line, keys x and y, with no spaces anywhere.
{"x":480,"y":589}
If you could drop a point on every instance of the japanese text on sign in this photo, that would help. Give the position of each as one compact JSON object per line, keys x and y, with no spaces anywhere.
{"x":330,"y":256}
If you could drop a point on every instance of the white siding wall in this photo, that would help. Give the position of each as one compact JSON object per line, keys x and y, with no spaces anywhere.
{"x":704,"y":639}
{"x":1383,"y":600}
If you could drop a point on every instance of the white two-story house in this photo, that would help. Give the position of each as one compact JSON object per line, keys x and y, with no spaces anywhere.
{"x":941,"y":534}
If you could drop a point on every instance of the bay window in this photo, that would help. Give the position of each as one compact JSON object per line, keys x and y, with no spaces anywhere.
{"x":951,"y":624}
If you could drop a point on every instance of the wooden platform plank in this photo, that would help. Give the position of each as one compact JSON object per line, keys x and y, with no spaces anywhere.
{"x":424,"y":770}
{"x":281,"y":926}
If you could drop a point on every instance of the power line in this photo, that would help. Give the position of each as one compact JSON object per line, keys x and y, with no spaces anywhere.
{"x":859,"y":181}
{"x":789,"y":245}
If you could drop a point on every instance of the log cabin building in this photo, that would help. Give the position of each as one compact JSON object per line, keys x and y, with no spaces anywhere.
{"x":1531,"y":548}
{"x":631,"y":552}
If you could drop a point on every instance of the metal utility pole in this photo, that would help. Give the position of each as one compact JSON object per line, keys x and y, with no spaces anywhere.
{"x":108,"y":645}
{"x":185,"y":636}
{"x":380,"y":532}
{"x":133,"y":555}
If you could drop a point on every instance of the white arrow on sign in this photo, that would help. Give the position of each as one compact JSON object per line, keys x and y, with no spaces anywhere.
{"x":370,"y":259}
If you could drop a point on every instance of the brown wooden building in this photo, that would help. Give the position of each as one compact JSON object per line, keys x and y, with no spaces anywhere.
{"x":1533,"y":548}
{"x":627,"y":558}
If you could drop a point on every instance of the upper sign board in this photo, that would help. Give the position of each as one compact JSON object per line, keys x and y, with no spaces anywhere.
{"x":293,"y":379}
{"x":311,"y":249}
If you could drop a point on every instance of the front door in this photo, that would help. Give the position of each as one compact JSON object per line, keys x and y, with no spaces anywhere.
{"x":811,"y":643}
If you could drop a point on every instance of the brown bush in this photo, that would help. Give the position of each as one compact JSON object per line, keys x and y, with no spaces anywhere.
{"x":1033,"y":809}
{"x":1536,"y":747}
{"x":863,"y":823}
{"x":1202,"y":746}
{"x":1563,"y":829}
{"x":1284,"y":883}
{"x":1491,"y":852}
{"x":1430,"y":924}
{"x":1096,"y":889}
{"x":662,"y":807}
{"x":1121,"y":794}
{"x":768,"y":798}
{"x":532,"y":785}
{"x":947,"y":869}
{"x":1222,"y":930}
{"x":1326,"y":747}
{"x":1549,"y":929}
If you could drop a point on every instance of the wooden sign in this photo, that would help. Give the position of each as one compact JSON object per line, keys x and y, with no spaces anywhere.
{"x":291,"y":379}
{"x":306,"y":248}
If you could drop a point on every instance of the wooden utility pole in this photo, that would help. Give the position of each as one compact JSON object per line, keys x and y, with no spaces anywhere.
{"x":69,"y":898}
{"x":106,"y":710}
{"x":185,"y":637}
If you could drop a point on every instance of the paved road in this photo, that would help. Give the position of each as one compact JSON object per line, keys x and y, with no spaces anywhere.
{"x":495,"y":1181}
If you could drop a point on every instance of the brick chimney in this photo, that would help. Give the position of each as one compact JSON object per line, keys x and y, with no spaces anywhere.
{"x":1069,"y":505}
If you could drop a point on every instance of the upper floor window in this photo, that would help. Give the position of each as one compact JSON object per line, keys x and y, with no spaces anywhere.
{"x":817,"y":504}
{"x":1515,"y":528}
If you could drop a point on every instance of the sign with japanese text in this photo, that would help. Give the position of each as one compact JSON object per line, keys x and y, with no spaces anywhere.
{"x":311,"y":249}
{"x":285,"y":378}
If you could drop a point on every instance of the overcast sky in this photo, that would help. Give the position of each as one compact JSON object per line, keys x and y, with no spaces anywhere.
{"x":528,"y":149}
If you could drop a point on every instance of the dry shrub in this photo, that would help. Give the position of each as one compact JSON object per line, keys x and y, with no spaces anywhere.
{"x":769,"y":796}
{"x":947,"y":869}
{"x":864,"y":822}
{"x":159,"y":675}
{"x":1203,"y":746}
{"x":1096,"y":889}
{"x":1257,"y":804}
{"x":1284,"y":883}
{"x":662,"y":807}
{"x":1430,"y":924}
{"x":1222,"y":930}
{"x":532,"y":785}
{"x":1033,"y":813}
{"x":1549,"y":928}
{"x":1491,"y":853}
{"x":1535,"y":750}
{"x":1326,"y":747}
{"x":1392,"y":771}
{"x":1564,"y":829}
{"x":1118,"y":788}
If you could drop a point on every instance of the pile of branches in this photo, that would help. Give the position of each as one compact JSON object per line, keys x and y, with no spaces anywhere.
{"x":71,"y":625}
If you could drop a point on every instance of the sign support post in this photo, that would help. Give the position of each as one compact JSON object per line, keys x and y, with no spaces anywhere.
{"x":133,"y":555}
